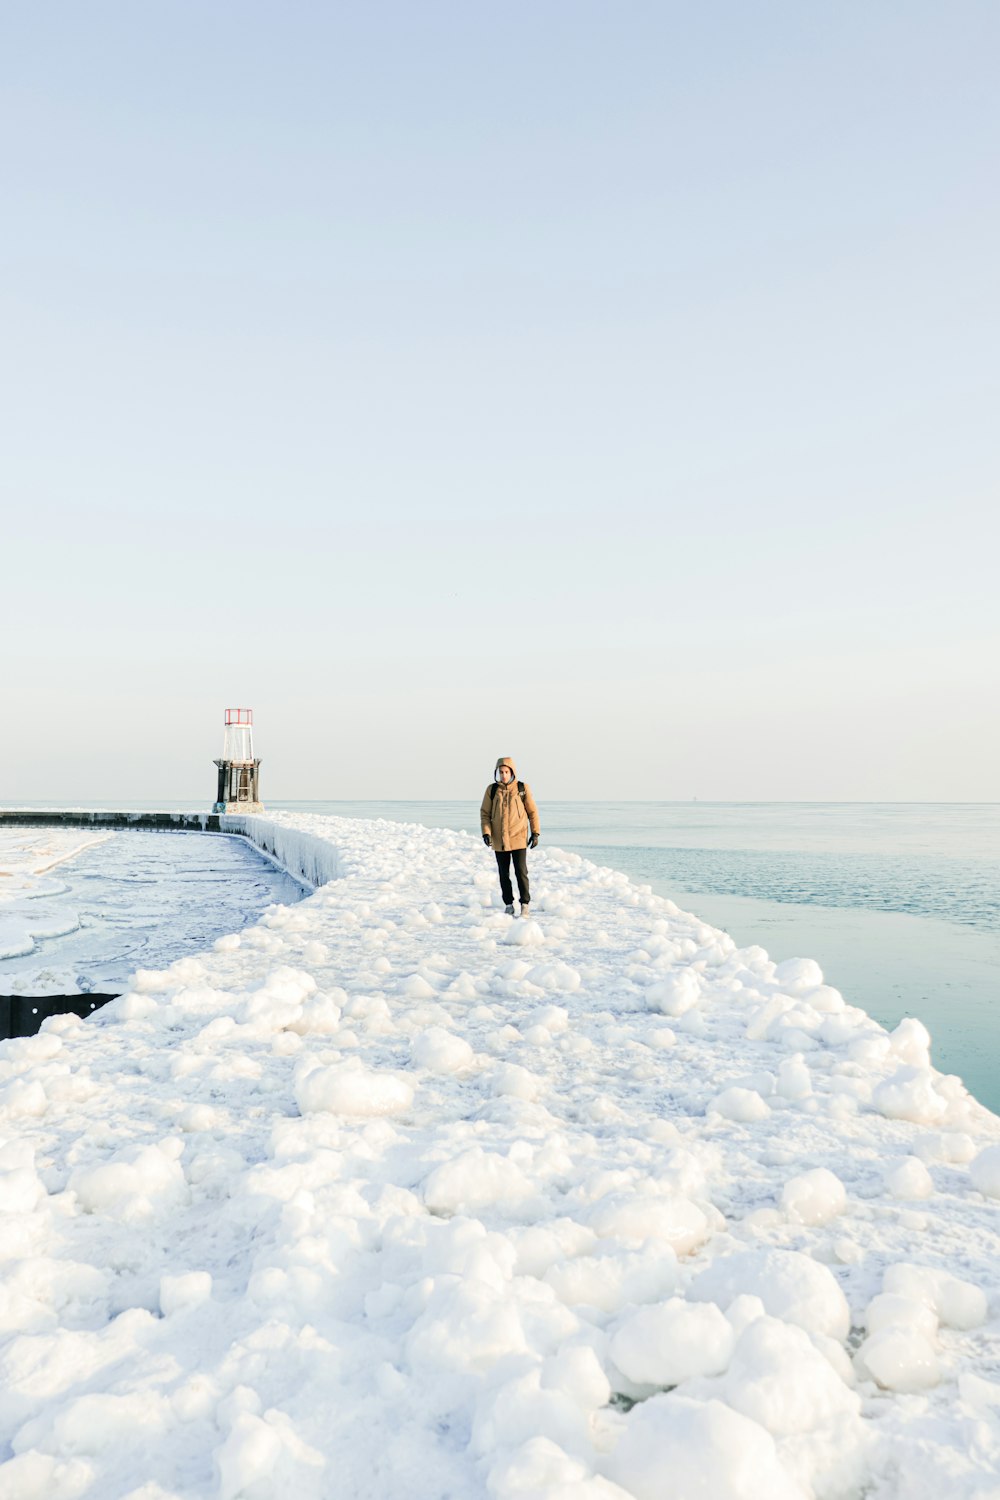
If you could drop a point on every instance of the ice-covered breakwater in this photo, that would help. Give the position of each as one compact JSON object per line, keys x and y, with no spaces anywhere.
{"x":391,"y":1194}
{"x":305,"y":855}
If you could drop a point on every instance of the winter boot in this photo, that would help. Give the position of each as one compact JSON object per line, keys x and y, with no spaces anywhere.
{"x":525,"y":909}
{"x":509,"y":909}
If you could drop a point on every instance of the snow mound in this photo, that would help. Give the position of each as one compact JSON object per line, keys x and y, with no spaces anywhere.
{"x":675,"y":1220}
{"x":743,"y":1105}
{"x":350,"y":1088}
{"x":671,"y":1342}
{"x":138,"y":1183}
{"x":476,"y":1180}
{"x":814,"y":1198}
{"x":778,"y":1377}
{"x":791,"y":1286}
{"x":676,"y":994}
{"x":441,"y":1051}
{"x":706,"y":1448}
{"x":984,"y":1172}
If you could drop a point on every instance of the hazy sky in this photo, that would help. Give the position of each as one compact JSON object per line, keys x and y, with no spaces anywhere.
{"x":614,"y":386}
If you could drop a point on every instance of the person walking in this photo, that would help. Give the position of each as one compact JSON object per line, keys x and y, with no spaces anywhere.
{"x":509,"y":820}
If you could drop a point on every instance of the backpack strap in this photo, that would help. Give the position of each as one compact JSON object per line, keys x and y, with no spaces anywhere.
{"x":493,"y":791}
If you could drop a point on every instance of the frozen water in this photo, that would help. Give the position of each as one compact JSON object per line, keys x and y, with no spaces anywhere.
{"x":85,"y":912}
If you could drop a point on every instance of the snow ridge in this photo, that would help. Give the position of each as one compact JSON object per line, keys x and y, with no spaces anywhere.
{"x":390,"y":1194}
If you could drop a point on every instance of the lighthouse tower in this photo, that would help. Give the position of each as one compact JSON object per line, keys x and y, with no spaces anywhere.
{"x":239,"y":773}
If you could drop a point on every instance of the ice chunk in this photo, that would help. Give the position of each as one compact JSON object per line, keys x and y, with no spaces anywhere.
{"x":522,"y":935}
{"x":791,"y":1286}
{"x":199,"y":1117}
{"x":520,"y":1410}
{"x":741,"y":1105}
{"x":540,"y":1467}
{"x":609,"y":1282}
{"x":909,"y":1179}
{"x":21,"y":1191}
{"x":671,"y":1342}
{"x":743,"y":1311}
{"x":899,"y":1358}
{"x":890,"y":1310}
{"x":794,"y":1078}
{"x":798,"y":974}
{"x":94,"y":1424}
{"x":909,"y":1094}
{"x":440,"y":1051}
{"x":264,"y":1457}
{"x":39,"y":1476}
{"x":465,"y":1327}
{"x":984,"y":1172}
{"x":23,"y":1098}
{"x":138,"y":1183}
{"x":556,"y":977}
{"x":676,"y":1220}
{"x":779,"y":1378}
{"x":474,"y":1180}
{"x":826,"y":1000}
{"x":673,"y":1445}
{"x":957,"y":1303}
{"x":554,"y":1018}
{"x":514,"y":1082}
{"x":911,"y":1043}
{"x":417,"y":988}
{"x":350,"y":1088}
{"x":577,"y":1371}
{"x":320,"y":1014}
{"x":814,"y":1198}
{"x":180,"y":1293}
{"x":676,"y":993}
{"x":947,"y":1145}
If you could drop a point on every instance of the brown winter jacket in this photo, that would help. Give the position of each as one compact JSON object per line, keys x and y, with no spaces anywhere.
{"x":503,"y":814}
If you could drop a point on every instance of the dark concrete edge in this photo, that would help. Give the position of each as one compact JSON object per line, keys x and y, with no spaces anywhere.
{"x":68,"y":818}
{"x":22,"y":1015}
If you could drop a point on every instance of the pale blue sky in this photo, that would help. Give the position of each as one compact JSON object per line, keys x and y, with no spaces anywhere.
{"x":613,"y":386}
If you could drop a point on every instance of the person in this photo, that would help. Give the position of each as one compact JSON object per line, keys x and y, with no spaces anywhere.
{"x":509,"y":820}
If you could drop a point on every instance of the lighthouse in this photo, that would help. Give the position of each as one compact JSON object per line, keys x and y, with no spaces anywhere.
{"x":239,"y":773}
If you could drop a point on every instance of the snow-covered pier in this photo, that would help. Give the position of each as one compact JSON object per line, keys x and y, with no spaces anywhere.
{"x":393,"y":1195}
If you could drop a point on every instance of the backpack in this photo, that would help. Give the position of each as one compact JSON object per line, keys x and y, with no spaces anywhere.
{"x":493,"y":791}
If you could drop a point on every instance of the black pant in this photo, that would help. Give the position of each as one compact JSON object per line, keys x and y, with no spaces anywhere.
{"x":520,"y":858}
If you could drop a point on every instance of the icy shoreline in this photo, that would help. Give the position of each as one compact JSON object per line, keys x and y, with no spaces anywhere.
{"x":390,"y":1194}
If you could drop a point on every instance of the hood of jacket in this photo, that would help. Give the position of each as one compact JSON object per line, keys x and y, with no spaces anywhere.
{"x":507,"y":813}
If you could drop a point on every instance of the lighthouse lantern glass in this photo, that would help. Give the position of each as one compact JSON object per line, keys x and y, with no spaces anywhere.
{"x":238,"y":743}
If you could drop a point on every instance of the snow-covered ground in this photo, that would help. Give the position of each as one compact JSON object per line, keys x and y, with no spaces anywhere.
{"x":392,"y":1195}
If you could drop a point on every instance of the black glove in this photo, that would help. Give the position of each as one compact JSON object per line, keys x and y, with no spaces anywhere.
{"x":486,"y":840}
{"x":533,"y":841}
